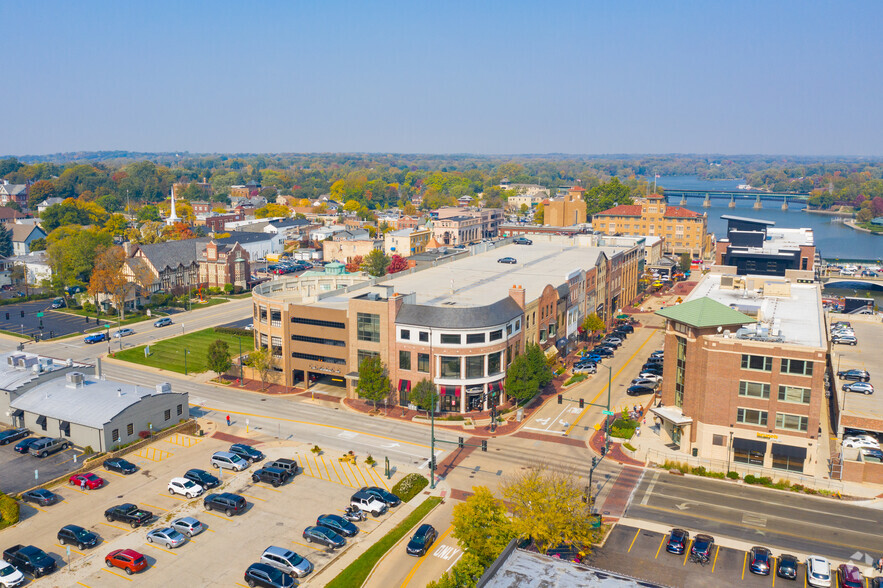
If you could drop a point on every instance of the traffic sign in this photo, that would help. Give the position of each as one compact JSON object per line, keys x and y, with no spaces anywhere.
{"x":39,"y":315}
{"x":107,"y":326}
{"x":607,"y":412}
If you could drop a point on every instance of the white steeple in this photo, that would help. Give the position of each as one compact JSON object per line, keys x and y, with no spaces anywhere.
{"x":172,"y":218}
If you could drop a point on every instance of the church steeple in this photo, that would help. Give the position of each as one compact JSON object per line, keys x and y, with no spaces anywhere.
{"x":172,"y":218}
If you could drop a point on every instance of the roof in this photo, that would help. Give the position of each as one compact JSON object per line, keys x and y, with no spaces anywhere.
{"x":458,"y":317}
{"x":173,"y":253}
{"x":704,"y":312}
{"x":678,"y":212}
{"x":745,"y":219}
{"x":17,"y":368}
{"x":94,"y":404}
{"x":621,"y":210}
{"x":21,"y":232}
{"x":577,"y":189}
{"x":290,"y":222}
{"x":245,"y":237}
{"x":7,"y":213}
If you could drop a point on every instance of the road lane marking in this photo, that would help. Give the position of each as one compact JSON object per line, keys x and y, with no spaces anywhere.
{"x":658,"y":549}
{"x":716,"y":553}
{"x":687,"y":550}
{"x":744,"y":561}
{"x":115,"y":574}
{"x":316,"y":463}
{"x":650,"y":487}
{"x":347,"y":476}
{"x":635,"y":538}
{"x":422,"y":558}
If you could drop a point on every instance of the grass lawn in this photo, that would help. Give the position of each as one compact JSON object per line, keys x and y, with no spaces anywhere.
{"x":169,"y":353}
{"x":355,"y":574}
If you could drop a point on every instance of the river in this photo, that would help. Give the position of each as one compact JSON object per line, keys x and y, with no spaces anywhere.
{"x":834,"y":240}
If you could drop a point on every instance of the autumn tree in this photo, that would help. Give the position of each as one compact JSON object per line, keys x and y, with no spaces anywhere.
{"x":375,"y":263}
{"x":409,"y":209}
{"x":481,"y":525}
{"x":40,"y":191}
{"x":539,"y":215}
{"x":72,"y":212}
{"x":354,"y":264}
{"x":72,"y":251}
{"x":178,"y":232}
{"x":272,"y":210}
{"x":108,"y":278}
{"x":397,"y":263}
{"x":374,"y":382}
{"x":593,"y":324}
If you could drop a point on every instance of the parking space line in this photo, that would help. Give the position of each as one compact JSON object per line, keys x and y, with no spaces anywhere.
{"x":658,"y":549}
{"x":161,"y":548}
{"x":252,"y":497}
{"x":357,"y":469}
{"x":115,"y":574}
{"x":744,"y":561}
{"x":265,"y":487}
{"x":154,"y":506}
{"x":773,"y":571}
{"x":327,"y":473}
{"x":86,"y":585}
{"x":635,"y":538}
{"x":112,"y":473}
{"x":316,"y":462}
{"x":175,"y":496}
{"x":75,"y":489}
{"x":345,"y":475}
{"x":687,"y":550}
{"x":219,"y":516}
{"x":308,"y":546}
{"x":114,"y":527}
{"x":238,"y":584}
{"x":716,"y":553}
{"x":375,"y":476}
{"x":34,"y":506}
{"x":336,"y":473}
{"x":71,"y":548}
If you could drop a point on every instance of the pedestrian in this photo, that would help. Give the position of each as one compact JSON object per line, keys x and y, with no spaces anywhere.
{"x":228,"y":420}
{"x":82,"y":483}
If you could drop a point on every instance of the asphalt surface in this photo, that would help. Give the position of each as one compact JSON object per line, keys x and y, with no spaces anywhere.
{"x":23,"y":319}
{"x":18,"y":468}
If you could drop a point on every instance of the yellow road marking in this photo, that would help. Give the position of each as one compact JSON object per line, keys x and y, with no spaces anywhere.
{"x":253,"y":497}
{"x":307,"y":545}
{"x":175,"y":496}
{"x":152,"y":506}
{"x":773,"y":571}
{"x":687,"y":550}
{"x":106,"y":471}
{"x":658,"y":549}
{"x":635,"y":538}
{"x":109,"y":571}
{"x":266,"y":487}
{"x":34,"y":506}
{"x":379,"y":477}
{"x":346,"y":475}
{"x":115,"y":527}
{"x":76,"y":489}
{"x":71,"y":548}
{"x":326,"y":468}
{"x":306,"y":460}
{"x":316,"y":463}
{"x":217,"y":515}
{"x":422,"y":557}
{"x":161,"y":548}
{"x":716,"y":553}
{"x":86,"y":585}
{"x":744,"y":561}
{"x":598,"y":395}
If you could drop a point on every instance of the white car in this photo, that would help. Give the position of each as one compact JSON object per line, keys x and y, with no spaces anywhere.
{"x":643,"y":382}
{"x":860,"y":443}
{"x":185,"y":487}
{"x":9,"y":575}
{"x":818,"y":571}
{"x":650,"y":376}
{"x":124,"y":333}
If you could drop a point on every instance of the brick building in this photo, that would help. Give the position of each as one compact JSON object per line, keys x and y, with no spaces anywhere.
{"x":224,"y":263}
{"x":567,"y":210}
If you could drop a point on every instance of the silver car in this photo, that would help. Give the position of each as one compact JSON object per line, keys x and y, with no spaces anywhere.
{"x":287,"y":561}
{"x":168,"y":537}
{"x":188,"y":526}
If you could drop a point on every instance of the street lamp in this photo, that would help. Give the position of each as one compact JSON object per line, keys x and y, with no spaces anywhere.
{"x":240,"y":359}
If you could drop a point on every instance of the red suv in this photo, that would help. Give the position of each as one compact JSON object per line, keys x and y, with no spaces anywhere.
{"x":849,"y":577}
{"x":128,"y":559}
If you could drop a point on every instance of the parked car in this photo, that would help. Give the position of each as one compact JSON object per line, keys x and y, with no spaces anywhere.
{"x":640,"y":390}
{"x":786,"y":566}
{"x":860,"y":387}
{"x":284,"y":464}
{"x":625,"y":328}
{"x":510,"y":260}
{"x":227,"y":502}
{"x":759,"y":560}
{"x":10,"y":576}
{"x":872,"y":455}
{"x":124,"y":332}
{"x":76,"y":535}
{"x":203,"y":478}
{"x":95,"y":338}
{"x":844,"y":340}
{"x":270,"y":475}
{"x":10,"y":435}
{"x":422,"y":540}
{"x":169,"y":537}
{"x":522,"y":241}
{"x":40,"y":496}
{"x":128,"y":513}
{"x":650,"y":375}
{"x":655,"y":359}
{"x":87,"y":481}
{"x":184,"y":487}
{"x":261,"y":574}
{"x":57,"y":303}
{"x":585,"y":368}
{"x":188,"y":526}
{"x":603,"y":351}
{"x":230,"y":461}
{"x":246,"y":452}
{"x":286,"y":561}
{"x":677,"y":541}
{"x":25,"y":444}
{"x":702,"y":547}
{"x":324,"y":536}
{"x":860,"y":443}
{"x":120,"y":465}
{"x":29,"y":559}
{"x":369,"y":503}
{"x":128,"y":560}
{"x":386,"y":496}
{"x":858,"y":375}
{"x":338,"y":524}
{"x":163,"y":322}
{"x":47,"y":446}
{"x":849,"y":576}
{"x":643,"y":382}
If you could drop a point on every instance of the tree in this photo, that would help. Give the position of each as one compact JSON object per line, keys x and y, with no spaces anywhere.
{"x":538,"y":365}
{"x":218,"y":358}
{"x":424,"y":395}
{"x":397,"y":263}
{"x":178,"y":232}
{"x":72,"y":251}
{"x":523,"y":209}
{"x":351,"y":206}
{"x":38,"y":244}
{"x":409,"y":209}
{"x":593,"y":324}
{"x":261,"y":360}
{"x":521,"y":382}
{"x":354,"y":265}
{"x":108,"y":278}
{"x":865,"y":212}
{"x":116,"y":225}
{"x":547,"y":506}
{"x":40,"y":191}
{"x":18,"y":274}
{"x":481,"y":525}
{"x":374,"y":382}
{"x":375,"y":263}
{"x":72,"y":212}
{"x":272,"y":210}
{"x":606,"y":196}
{"x":539,"y":214}
{"x":5,"y":241}
{"x":684,"y":261}
{"x":148,"y":212}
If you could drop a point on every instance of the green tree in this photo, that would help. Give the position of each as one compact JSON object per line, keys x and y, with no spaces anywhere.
{"x":261,"y":360}
{"x":5,"y":241}
{"x":523,"y":209}
{"x":547,"y":506}
{"x":40,"y":191}
{"x":148,"y":212}
{"x":539,"y":214}
{"x":218,"y":359}
{"x":375,"y":263}
{"x":521,"y":381}
{"x":865,"y":213}
{"x":593,"y":324}
{"x":71,"y":251}
{"x":606,"y":196}
{"x":684,"y":261}
{"x":374,"y":382}
{"x":424,"y":395}
{"x":465,"y":573}
{"x":538,"y":365}
{"x":481,"y":525}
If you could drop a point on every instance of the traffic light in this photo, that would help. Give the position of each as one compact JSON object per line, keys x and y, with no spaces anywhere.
{"x":7,"y":316}
{"x":432,"y":465}
{"x":582,"y":403}
{"x":594,"y":462}
{"x":22,"y":313}
{"x":560,"y":399}
{"x":460,"y":442}
{"x":484,"y":444}
{"x":51,"y":334}
{"x":603,"y":450}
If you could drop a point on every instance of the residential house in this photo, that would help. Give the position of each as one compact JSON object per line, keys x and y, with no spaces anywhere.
{"x":22,"y":237}
{"x":47,"y":203}
{"x":11,"y":215}
{"x":17,"y":193}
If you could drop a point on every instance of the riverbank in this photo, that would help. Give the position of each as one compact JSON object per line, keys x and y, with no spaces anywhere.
{"x":827,"y":212}
{"x":852,"y":225}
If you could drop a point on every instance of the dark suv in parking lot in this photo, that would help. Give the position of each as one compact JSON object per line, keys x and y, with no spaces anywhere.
{"x":858,"y":375}
{"x":270,"y":475}
{"x":230,"y":503}
{"x":246,"y":452}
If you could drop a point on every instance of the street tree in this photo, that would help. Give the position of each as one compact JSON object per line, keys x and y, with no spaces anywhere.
{"x":108,"y":278}
{"x":374,"y":382}
{"x":375,"y":263}
{"x":261,"y":360}
{"x":18,"y":274}
{"x":354,"y":264}
{"x":521,"y":381}
{"x":72,"y":251}
{"x":5,"y":241}
{"x":424,"y":395}
{"x":218,"y":358}
{"x":684,"y":261}
{"x":482,"y":525}
{"x":397,"y":263}
{"x":547,"y":505}
{"x":538,"y":364}
{"x":593,"y":324}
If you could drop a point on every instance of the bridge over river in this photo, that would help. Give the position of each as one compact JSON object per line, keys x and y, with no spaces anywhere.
{"x":733,"y":195}
{"x":853,"y":283}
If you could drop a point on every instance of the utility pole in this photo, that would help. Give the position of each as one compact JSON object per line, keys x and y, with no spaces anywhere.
{"x":240,"y":360}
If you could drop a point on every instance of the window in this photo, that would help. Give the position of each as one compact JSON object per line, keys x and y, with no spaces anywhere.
{"x":318,"y":340}
{"x":424,"y":336}
{"x":322,"y":358}
{"x":404,"y":360}
{"x":493,"y":363}
{"x":180,"y":409}
{"x":749,"y":416}
{"x":405,"y":334}
{"x":475,"y":366}
{"x":317,"y":323}
{"x":794,"y":394}
{"x":799,"y":367}
{"x":680,"y":370}
{"x":275,"y":318}
{"x":368,"y":327}
{"x":754,"y":389}
{"x":542,"y":335}
{"x":475,"y":338}
{"x":719,"y":440}
{"x":362,"y":355}
{"x":264,"y":314}
{"x":508,"y":329}
{"x":130,"y":429}
{"x":423,"y":362}
{"x":450,"y":367}
{"x":751,"y":457}
{"x":791,"y":422}
{"x":496,"y":335}
{"x":450,"y":339}
{"x":115,"y":435}
{"x":168,"y":414}
{"x":757,"y":362}
{"x":276,"y":343}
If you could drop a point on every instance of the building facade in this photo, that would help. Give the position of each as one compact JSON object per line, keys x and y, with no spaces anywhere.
{"x":567,"y":210}
{"x":755,"y":246}
{"x":406,"y":242}
{"x":222,"y":264}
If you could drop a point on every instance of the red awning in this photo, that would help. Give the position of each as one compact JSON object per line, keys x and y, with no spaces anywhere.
{"x":404,"y":385}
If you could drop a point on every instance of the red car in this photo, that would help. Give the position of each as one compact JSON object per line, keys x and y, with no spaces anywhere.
{"x":128,"y":559}
{"x":90,"y":481}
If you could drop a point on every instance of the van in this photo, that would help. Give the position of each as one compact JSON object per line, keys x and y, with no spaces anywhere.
{"x":287,"y":561}
{"x":163,"y":322}
{"x":224,"y":460}
{"x":368,"y":502}
{"x":47,"y":446}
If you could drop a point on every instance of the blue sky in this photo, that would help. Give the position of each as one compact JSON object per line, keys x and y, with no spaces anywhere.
{"x":506,"y":77}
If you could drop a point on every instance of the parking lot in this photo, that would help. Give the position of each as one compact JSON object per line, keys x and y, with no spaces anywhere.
{"x":219,"y":556}
{"x":641,"y":553}
{"x":19,"y":468}
{"x":866,"y":409}
{"x":54,"y":322}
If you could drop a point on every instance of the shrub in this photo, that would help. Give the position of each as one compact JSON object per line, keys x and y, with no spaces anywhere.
{"x":751,"y":479}
{"x":234,"y":331}
{"x":144,"y":434}
{"x":370,"y":461}
{"x":228,"y":288}
{"x":410,"y":486}
{"x":316,"y":449}
{"x":733,"y":475}
{"x":628,"y":446}
{"x":87,"y":450}
{"x":8,"y":511}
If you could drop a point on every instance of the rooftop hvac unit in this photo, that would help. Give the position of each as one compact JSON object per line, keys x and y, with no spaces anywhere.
{"x":13,"y":359}
{"x":163,"y":388}
{"x":75,"y":379}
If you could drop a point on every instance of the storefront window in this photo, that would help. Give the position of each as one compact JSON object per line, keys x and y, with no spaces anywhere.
{"x":493,"y":363}
{"x":475,"y":367}
{"x":423,"y":362}
{"x":450,"y":367}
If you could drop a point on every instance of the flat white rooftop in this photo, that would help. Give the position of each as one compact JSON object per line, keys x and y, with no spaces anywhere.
{"x":778,"y":238}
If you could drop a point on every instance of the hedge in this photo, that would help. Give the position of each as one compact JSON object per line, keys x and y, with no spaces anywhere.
{"x":234,"y":331}
{"x":410,"y":486}
{"x":8,"y":511}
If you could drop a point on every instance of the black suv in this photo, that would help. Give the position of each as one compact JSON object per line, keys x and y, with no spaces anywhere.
{"x":228,"y":502}
{"x":203,"y":478}
{"x":858,"y":375}
{"x":75,"y":535}
{"x":270,"y":475}
{"x":246,"y":452}
{"x":288,"y":465}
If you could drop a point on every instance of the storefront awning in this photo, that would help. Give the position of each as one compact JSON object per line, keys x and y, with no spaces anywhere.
{"x":404,"y":385}
{"x":41,"y":420}
{"x":18,"y":412}
{"x":672,"y":415}
{"x":752,"y":445}
{"x":65,"y":427}
{"x":789,"y":451}
{"x":450,"y":390}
